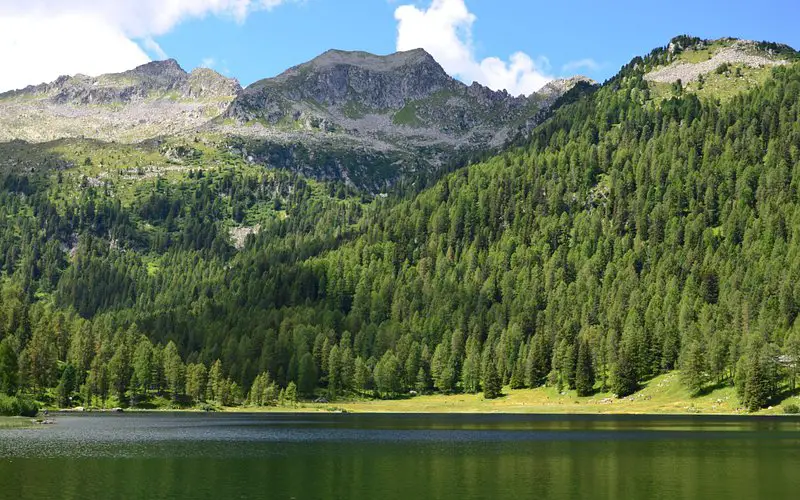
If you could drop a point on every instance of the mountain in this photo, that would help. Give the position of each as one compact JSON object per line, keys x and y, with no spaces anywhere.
{"x":351,"y":116}
{"x":401,"y":111}
{"x":155,"y":99}
{"x":644,"y":230}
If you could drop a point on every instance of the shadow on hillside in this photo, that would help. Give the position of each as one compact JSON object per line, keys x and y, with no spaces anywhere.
{"x":708,"y":389}
{"x":783,"y":394}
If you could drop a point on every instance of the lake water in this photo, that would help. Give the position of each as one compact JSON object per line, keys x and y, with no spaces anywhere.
{"x":351,"y":456}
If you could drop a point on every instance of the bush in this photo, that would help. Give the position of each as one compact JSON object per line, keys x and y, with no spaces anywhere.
{"x":791,"y":409}
{"x":17,"y":406}
{"x":27,"y":407}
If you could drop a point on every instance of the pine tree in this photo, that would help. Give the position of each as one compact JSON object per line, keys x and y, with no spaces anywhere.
{"x":492,"y":385}
{"x":290,"y":395}
{"x":584,"y":373}
{"x":215,"y":382}
{"x":307,"y":375}
{"x":9,"y":368}
{"x":362,"y":378}
{"x":624,"y":379}
{"x":174,"y":371}
{"x":693,"y":368}
{"x":66,"y":386}
{"x":387,"y":374}
{"x":143,"y":365}
{"x":196,"y":381}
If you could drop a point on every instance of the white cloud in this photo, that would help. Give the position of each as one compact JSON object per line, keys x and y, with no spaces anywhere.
{"x":39,"y":50}
{"x":208,"y":62}
{"x":43,"y":39}
{"x":152,"y":46}
{"x":445,"y":30}
{"x":587,"y":64}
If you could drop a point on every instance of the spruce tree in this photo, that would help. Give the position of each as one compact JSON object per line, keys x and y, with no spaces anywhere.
{"x":9,"y":368}
{"x":693,"y":368}
{"x":584,"y":372}
{"x":307,"y":375}
{"x":492,"y":385}
{"x":625,"y":381}
{"x":66,"y":386}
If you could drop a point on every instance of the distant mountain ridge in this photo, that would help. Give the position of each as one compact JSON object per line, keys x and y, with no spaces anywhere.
{"x":355,"y":116}
{"x":155,"y":99}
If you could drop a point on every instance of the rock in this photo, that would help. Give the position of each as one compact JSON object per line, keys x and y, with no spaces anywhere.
{"x":740,"y":52}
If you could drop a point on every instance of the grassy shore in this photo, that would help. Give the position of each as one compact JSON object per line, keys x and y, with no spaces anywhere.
{"x":14,"y":422}
{"x":662,"y":395}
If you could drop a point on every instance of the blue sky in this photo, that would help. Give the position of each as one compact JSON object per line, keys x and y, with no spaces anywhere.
{"x":512,"y":44}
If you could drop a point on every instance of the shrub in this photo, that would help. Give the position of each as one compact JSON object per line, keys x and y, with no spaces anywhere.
{"x":791,"y":409}
{"x":17,"y":406}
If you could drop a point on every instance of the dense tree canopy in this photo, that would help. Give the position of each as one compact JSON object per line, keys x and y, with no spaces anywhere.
{"x":626,"y":238}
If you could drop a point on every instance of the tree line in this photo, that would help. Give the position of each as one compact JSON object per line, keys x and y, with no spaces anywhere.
{"x":625,"y":239}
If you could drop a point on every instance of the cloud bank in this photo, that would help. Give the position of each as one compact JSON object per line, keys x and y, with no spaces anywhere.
{"x":444,"y":29}
{"x":43,"y":39}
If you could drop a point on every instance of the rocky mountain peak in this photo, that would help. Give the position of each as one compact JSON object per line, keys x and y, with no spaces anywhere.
{"x":372,"y":62}
{"x":561,"y":86}
{"x":155,"y":69}
{"x":340,"y":77}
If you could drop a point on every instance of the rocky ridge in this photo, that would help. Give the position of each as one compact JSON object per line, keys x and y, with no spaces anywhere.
{"x":743,"y":52}
{"x":353,"y":116}
{"x":158,"y":98}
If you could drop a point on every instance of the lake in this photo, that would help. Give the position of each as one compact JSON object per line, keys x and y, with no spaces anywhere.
{"x":360,"y":456}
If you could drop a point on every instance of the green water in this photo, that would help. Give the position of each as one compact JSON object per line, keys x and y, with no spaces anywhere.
{"x":401,"y":457}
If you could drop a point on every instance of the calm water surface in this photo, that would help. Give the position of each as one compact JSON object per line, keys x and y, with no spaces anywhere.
{"x":239,"y":456}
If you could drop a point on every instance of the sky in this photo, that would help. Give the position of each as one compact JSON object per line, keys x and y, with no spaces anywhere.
{"x":517,"y":45}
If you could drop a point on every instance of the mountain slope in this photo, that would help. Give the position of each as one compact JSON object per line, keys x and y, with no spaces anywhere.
{"x":627,"y":237}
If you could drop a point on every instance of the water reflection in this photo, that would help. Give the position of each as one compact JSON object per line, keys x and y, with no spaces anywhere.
{"x":402,"y":456}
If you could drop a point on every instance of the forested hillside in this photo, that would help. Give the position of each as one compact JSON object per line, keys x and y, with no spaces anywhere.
{"x":632,"y":234}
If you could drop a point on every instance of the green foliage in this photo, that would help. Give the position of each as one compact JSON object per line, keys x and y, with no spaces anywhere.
{"x":387,"y":375}
{"x":307,"y":378}
{"x":623,"y":239}
{"x":9,"y":368}
{"x":17,"y":406}
{"x":693,"y":367}
{"x":624,"y":379}
{"x":791,"y":409}
{"x":492,"y":384}
{"x":758,"y":374}
{"x":66,"y":386}
{"x":585,"y":374}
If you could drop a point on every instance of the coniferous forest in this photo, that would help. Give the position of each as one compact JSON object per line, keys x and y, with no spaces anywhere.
{"x":625,"y":237}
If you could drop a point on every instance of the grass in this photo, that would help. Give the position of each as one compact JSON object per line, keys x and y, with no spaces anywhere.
{"x":715,"y":86}
{"x":661,"y":395}
{"x":14,"y":422}
{"x":407,"y":116}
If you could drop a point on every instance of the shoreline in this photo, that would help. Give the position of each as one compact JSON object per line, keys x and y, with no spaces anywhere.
{"x":662,"y":395}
